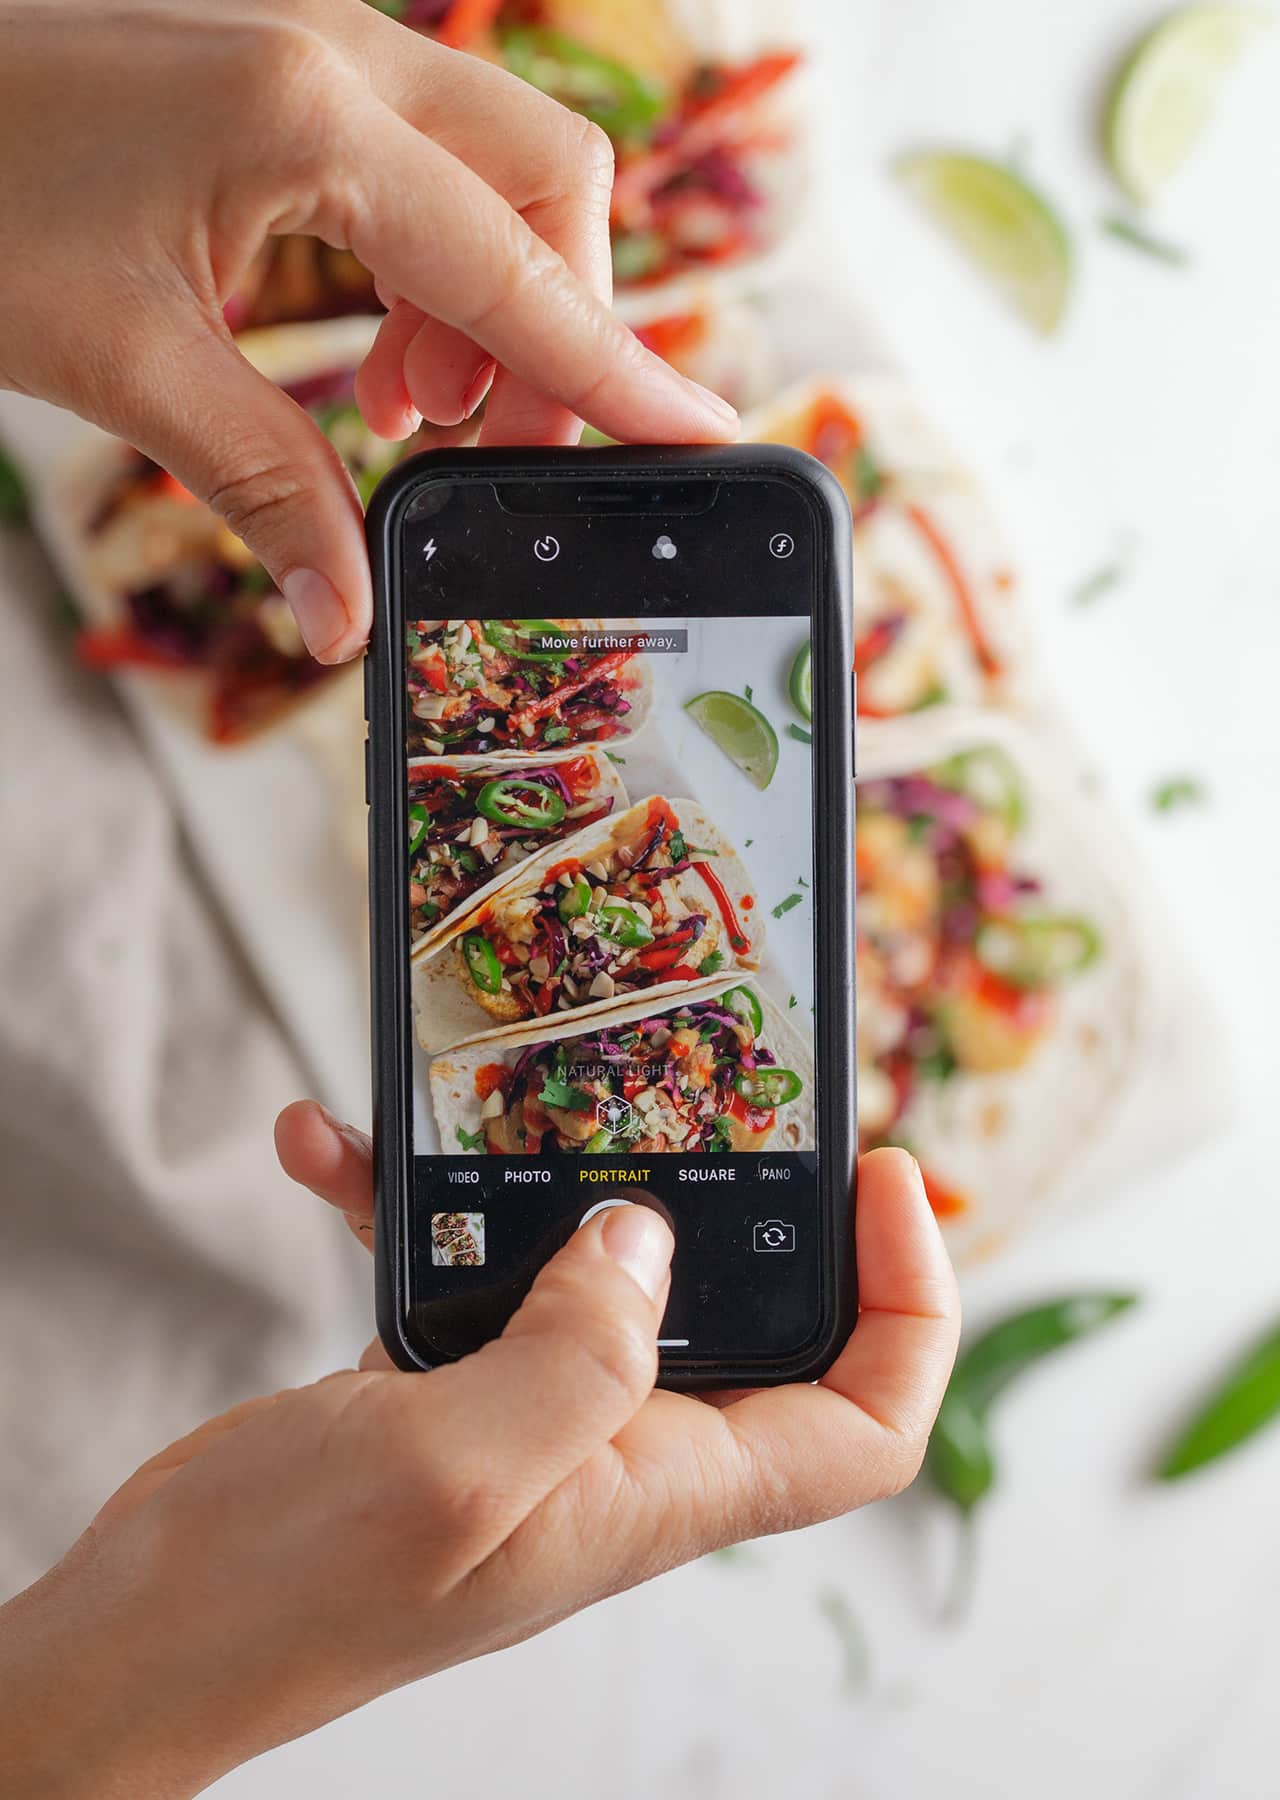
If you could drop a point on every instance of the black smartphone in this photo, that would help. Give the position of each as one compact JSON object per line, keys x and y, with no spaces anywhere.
{"x":610,"y":782}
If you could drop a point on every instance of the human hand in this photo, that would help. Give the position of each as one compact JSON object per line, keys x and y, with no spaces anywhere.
{"x":149,"y":148}
{"x":306,"y":1552}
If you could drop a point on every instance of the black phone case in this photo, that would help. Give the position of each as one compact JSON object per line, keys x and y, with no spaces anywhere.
{"x":392,"y":1023}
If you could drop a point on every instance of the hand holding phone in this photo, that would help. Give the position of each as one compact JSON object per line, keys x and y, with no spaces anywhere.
{"x":612,"y":905}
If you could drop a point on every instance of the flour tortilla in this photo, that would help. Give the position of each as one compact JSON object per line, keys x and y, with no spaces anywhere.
{"x":447,"y":1004}
{"x":896,"y":569}
{"x":608,"y":785}
{"x":457,"y":1106}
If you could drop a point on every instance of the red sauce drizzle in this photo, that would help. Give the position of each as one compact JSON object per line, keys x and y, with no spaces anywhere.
{"x":739,"y":942}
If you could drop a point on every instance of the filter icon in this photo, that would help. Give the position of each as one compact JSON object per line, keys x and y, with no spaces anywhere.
{"x":664,"y":549}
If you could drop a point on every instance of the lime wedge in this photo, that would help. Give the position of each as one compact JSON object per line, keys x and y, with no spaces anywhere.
{"x":802,"y":681}
{"x":1165,"y":93}
{"x":741,"y":730}
{"x":1001,"y":224}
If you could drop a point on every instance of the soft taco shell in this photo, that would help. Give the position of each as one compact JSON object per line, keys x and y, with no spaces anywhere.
{"x":457,"y":1104}
{"x":608,"y":785}
{"x":448,"y":1005}
{"x":637,"y":682}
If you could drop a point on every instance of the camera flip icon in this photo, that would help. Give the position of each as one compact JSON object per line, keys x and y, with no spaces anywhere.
{"x":773,"y":1235}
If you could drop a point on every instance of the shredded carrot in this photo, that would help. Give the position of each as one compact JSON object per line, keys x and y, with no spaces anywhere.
{"x":465,"y":20}
{"x":988,"y":660}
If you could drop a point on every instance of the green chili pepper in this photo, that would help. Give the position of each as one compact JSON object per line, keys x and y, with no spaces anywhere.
{"x":960,"y":1459}
{"x":621,"y":925}
{"x":988,"y":776}
{"x":575,"y":900}
{"x":513,"y":643}
{"x":768,"y":1086}
{"x":599,"y":1142}
{"x":743,"y":1002}
{"x":511,"y":801}
{"x":988,"y":1365}
{"x":617,"y":99}
{"x":15,"y":507}
{"x":1246,"y":1401}
{"x":1036,"y":953}
{"x":482,"y":962}
{"x":419,"y":825}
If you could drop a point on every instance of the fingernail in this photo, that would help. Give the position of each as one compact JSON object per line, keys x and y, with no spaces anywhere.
{"x":639,"y":1241}
{"x":317,"y":606}
{"x":717,"y":404}
{"x":413,"y":420}
{"x":478,"y":389}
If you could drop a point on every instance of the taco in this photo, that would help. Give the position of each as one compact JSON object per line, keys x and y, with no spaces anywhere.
{"x":649,"y":903}
{"x":501,"y":687}
{"x":720,"y":1071}
{"x":998,"y":984}
{"x":934,"y":601}
{"x":168,"y":586}
{"x":473,"y":824}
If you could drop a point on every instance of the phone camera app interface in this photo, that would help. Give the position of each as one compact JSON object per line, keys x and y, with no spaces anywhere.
{"x":611,"y":905}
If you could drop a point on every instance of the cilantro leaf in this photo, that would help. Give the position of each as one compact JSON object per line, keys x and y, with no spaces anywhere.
{"x":712,"y":963}
{"x":1179,"y":790}
{"x":470,"y":1140}
{"x":556,"y":1092}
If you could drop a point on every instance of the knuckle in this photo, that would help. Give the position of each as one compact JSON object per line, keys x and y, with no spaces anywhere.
{"x":252,"y":501}
{"x":517,"y":264}
{"x":592,"y":154}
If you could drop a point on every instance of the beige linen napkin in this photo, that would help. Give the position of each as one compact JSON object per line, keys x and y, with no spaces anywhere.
{"x":155,"y":1266}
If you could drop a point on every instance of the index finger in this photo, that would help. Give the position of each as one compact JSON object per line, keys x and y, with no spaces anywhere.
{"x":434,"y":232}
{"x":334,"y":1160}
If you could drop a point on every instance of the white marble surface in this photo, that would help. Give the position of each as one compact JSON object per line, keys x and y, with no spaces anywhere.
{"x":1123,"y":1638}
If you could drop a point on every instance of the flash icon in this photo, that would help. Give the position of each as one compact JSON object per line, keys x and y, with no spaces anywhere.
{"x":429,"y":549}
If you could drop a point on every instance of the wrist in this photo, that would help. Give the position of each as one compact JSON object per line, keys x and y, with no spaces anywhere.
{"x":87,"y":1702}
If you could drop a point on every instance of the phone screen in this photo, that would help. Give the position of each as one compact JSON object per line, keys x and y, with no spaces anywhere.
{"x":614,"y":912}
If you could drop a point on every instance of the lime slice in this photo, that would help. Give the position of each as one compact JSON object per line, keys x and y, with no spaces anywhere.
{"x":1166,"y":91}
{"x":741,"y":730}
{"x":1000,"y":223}
{"x":802,"y":681}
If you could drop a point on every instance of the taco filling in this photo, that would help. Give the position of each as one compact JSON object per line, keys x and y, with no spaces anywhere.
{"x":469,"y":826}
{"x":695,"y":1078}
{"x":193,"y":597}
{"x":648,"y":911}
{"x":921,"y":638}
{"x":480,"y":685}
{"x":959,"y":962}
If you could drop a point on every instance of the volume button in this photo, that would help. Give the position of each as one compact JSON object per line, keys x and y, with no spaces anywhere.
{"x":368,"y":686}
{"x":368,"y":771}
